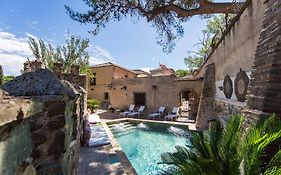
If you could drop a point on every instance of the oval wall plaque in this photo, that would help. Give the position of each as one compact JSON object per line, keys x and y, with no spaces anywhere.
{"x":227,"y":86}
{"x":241,"y":85}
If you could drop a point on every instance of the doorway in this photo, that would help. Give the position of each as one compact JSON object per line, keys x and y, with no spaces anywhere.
{"x":139,"y":99}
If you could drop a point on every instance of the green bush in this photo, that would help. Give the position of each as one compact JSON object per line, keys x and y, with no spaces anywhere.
{"x":229,"y":150}
{"x":93,"y":104}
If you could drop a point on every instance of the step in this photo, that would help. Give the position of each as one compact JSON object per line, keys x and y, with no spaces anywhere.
{"x":124,"y":126}
{"x":123,"y":123}
{"x":125,"y":129}
{"x":119,"y":134}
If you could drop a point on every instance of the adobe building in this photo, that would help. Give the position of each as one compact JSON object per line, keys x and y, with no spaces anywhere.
{"x":119,"y":87}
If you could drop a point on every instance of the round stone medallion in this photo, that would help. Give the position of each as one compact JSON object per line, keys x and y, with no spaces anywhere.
{"x":240,"y":86}
{"x":227,"y":86}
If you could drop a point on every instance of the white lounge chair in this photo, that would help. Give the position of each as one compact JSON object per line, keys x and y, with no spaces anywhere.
{"x":138,"y":113}
{"x":173,"y":114}
{"x":124,"y":114}
{"x":157,"y":114}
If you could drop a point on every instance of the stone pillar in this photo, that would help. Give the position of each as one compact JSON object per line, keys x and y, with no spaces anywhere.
{"x":265,"y":83}
{"x":1,"y":75}
{"x":29,"y":66}
{"x":207,"y":100}
{"x":57,"y":69}
{"x":75,"y":70}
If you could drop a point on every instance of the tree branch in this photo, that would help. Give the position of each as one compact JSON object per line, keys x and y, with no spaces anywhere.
{"x":205,"y":7}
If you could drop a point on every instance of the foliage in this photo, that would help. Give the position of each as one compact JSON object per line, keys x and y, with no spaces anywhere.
{"x":182,"y":73}
{"x":8,"y":78}
{"x":211,"y":35}
{"x":225,"y":151}
{"x":93,"y":104}
{"x":74,"y":52}
{"x":165,"y":15}
{"x":42,"y":51}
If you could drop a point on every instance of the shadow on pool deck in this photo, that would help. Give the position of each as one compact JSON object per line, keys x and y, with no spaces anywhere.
{"x":100,"y":160}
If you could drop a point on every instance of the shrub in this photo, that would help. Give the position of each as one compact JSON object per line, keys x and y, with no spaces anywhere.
{"x":93,"y":104}
{"x":227,"y":151}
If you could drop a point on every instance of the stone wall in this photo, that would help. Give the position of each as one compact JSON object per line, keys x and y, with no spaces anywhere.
{"x":74,"y":77}
{"x":40,"y":125}
{"x":264,"y":96}
{"x":206,"y":110}
{"x":233,"y":58}
{"x":159,"y":91}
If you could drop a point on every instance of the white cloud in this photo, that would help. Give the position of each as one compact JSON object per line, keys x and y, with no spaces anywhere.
{"x":99,"y":55}
{"x":146,"y":69}
{"x":32,"y":25}
{"x":30,"y":35}
{"x":14,"y":51}
{"x":12,"y":64}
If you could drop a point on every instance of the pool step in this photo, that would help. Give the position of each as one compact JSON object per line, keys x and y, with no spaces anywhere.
{"x":124,"y":123}
{"x":123,"y":129}
{"x":119,"y":134}
{"x":120,"y":125}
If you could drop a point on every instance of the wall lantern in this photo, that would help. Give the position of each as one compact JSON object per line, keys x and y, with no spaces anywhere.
{"x":154,"y":87}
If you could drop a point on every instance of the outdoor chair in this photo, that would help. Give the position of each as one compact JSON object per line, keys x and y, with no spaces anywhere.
{"x":174,"y":114}
{"x":124,"y":114}
{"x":137,"y":113}
{"x":157,"y":114}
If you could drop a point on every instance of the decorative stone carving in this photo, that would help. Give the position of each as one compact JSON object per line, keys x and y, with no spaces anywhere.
{"x":241,"y":85}
{"x":227,"y":86}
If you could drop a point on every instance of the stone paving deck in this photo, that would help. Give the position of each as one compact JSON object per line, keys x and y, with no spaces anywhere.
{"x":99,"y":161}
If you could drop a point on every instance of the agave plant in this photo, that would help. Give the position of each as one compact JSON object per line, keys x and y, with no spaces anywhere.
{"x":227,"y":151}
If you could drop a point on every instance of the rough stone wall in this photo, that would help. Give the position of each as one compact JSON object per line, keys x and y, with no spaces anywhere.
{"x":207,"y":101}
{"x":40,"y":129}
{"x":159,"y":91}
{"x":265,"y":84}
{"x":74,"y":77}
{"x":234,"y":54}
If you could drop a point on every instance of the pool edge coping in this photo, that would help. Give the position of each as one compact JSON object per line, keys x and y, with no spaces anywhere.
{"x":125,"y":162}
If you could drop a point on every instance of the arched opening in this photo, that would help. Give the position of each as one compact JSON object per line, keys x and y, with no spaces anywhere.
{"x":189,"y":100}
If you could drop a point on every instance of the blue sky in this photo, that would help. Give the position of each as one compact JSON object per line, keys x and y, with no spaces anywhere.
{"x":129,"y":43}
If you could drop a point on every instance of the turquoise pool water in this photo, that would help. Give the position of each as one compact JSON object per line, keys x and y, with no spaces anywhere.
{"x":144,"y":143}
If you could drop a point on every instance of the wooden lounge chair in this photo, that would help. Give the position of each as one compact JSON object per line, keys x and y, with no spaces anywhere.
{"x":174,"y":114}
{"x":157,"y":114}
{"x":124,"y":114}
{"x":137,"y":113}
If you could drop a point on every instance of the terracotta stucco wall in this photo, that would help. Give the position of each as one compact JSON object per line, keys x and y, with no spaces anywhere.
{"x":166,"y":93}
{"x":104,"y":77}
{"x":119,"y":73}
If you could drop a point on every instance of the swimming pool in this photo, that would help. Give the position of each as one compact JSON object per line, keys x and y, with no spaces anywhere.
{"x":143,"y":143}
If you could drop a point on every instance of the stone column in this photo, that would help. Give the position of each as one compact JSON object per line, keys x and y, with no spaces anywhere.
{"x":57,"y":69}
{"x":265,"y":83}
{"x":207,"y":100}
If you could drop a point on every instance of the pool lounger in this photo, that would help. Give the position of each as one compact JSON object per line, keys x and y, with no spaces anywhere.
{"x":98,"y":136}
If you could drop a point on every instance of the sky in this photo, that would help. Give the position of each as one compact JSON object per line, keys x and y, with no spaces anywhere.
{"x":129,"y":43}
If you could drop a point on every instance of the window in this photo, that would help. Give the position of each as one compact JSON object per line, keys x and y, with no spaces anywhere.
{"x":106,"y":96}
{"x":93,"y":79}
